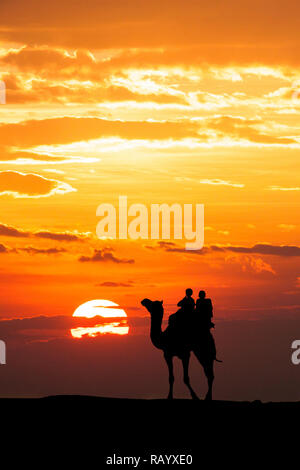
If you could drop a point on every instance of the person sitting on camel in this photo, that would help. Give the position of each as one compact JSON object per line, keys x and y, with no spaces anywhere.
{"x":204,"y":311}
{"x":181,"y":320}
{"x":187,"y":304}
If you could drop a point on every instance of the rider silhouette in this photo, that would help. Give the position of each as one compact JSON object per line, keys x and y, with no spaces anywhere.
{"x":204,"y":311}
{"x":180,"y":322}
{"x":187,"y":304}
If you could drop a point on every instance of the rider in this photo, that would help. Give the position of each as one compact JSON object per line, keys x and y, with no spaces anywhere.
{"x":187,"y":303}
{"x":180,"y":322}
{"x":204,"y":311}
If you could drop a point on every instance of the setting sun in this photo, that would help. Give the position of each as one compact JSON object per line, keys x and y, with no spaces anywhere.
{"x":115,"y":322}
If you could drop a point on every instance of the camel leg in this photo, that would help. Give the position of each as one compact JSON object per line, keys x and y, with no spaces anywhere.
{"x":209,"y":372}
{"x":208,"y":367}
{"x":186,"y":378}
{"x":169,"y":361}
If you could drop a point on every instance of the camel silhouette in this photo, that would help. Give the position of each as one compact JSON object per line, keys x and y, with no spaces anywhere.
{"x":173,"y":345}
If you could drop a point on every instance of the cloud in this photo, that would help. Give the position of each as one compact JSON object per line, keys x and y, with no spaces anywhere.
{"x":245,"y":129}
{"x":42,"y":251}
{"x":92,"y":85}
{"x":21,"y":141}
{"x":251,"y":263}
{"x":262,"y":249}
{"x":286,"y":227}
{"x":168,"y":246}
{"x":40,"y":59}
{"x":115,"y":284}
{"x":282,"y":188}
{"x":219,"y":182}
{"x":67,"y":130}
{"x":9,"y":231}
{"x":104,"y":255}
{"x":35,"y":140}
{"x":12,"y":154}
{"x":40,"y":327}
{"x":60,"y":236}
{"x":29,"y":185}
{"x":3,"y":248}
{"x":200,"y":33}
{"x":131,"y":76}
{"x":31,"y":250}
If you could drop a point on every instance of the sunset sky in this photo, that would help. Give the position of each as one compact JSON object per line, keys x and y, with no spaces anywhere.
{"x":165,"y":102}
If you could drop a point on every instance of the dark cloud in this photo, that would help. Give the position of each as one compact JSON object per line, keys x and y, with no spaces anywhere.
{"x":59,"y":325}
{"x":10,"y":231}
{"x":62,"y":236}
{"x":3,"y":248}
{"x":32,"y":250}
{"x":115,"y":284}
{"x":103,"y":256}
{"x":168,"y":246}
{"x":42,"y":251}
{"x":262,"y":249}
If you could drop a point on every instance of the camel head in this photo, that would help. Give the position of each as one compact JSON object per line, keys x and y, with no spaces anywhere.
{"x":154,"y":307}
{"x":156,"y":310}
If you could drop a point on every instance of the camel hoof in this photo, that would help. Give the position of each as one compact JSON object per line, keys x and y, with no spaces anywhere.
{"x":195,"y":397}
{"x":170,"y":397}
{"x":208,"y":397}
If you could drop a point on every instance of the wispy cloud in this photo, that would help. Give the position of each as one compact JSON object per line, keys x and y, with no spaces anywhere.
{"x":219,"y":182}
{"x":283,"y":188}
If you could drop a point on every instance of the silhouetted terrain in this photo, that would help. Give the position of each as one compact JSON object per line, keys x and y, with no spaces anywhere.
{"x":85,"y":430}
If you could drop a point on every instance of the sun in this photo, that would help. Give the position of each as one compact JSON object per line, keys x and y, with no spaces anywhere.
{"x":111,"y":319}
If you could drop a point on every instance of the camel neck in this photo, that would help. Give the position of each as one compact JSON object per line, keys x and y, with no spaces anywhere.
{"x":155,"y":332}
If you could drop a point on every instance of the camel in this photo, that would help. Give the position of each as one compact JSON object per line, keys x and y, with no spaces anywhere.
{"x":172,"y":345}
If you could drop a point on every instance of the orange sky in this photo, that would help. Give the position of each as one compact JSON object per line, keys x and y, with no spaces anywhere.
{"x":165,"y":102}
